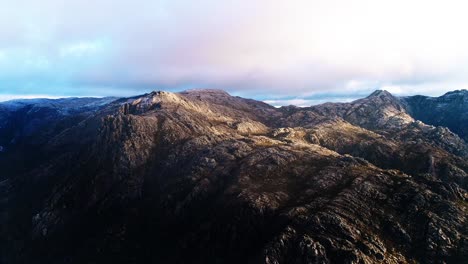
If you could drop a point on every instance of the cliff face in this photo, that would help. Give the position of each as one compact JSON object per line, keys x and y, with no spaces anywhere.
{"x":204,"y":177}
{"x":27,"y":125}
{"x":449,"y":110}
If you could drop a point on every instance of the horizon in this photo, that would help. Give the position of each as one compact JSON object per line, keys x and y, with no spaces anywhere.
{"x":299,"y":102}
{"x":299,"y":52}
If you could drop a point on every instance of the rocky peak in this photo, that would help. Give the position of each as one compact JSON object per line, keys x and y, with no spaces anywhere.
{"x":382,"y":96}
{"x":380,"y":109}
{"x":152,"y":101}
{"x":462,"y":92}
{"x":380,"y":93}
{"x":212,"y":92}
{"x":207,"y":95}
{"x":449,"y":110}
{"x":458,"y":97}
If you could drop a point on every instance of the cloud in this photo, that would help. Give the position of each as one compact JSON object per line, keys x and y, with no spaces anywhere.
{"x":260,"y":48}
{"x":306,"y":102}
{"x":81,"y":49}
{"x":8,"y":97}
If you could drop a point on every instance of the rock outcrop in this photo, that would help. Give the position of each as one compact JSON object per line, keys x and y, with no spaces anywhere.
{"x":449,"y":110}
{"x":204,"y":177}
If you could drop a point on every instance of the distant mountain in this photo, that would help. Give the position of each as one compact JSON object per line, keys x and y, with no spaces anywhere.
{"x":449,"y":110}
{"x":204,"y":177}
{"x":25,"y":125}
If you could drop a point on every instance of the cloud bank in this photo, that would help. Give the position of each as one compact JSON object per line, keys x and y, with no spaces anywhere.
{"x":266,"y":49}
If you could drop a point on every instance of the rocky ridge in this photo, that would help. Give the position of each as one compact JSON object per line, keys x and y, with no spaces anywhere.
{"x":204,"y":177}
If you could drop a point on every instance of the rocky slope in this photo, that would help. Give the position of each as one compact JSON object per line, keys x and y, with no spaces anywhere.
{"x":204,"y":177}
{"x":449,"y":110}
{"x":27,"y":125}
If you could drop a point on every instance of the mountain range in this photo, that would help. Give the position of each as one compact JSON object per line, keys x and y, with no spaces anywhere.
{"x":201,"y":176}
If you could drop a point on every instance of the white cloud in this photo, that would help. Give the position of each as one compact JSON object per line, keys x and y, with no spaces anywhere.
{"x":294,"y":48}
{"x":430,"y":89}
{"x":81,"y":49}
{"x":306,"y":102}
{"x":7,"y":97}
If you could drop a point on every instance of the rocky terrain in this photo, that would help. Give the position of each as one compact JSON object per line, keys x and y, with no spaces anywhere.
{"x":204,"y":177}
{"x":449,"y":110}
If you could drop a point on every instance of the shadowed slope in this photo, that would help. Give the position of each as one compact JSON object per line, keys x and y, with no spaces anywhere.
{"x":203,"y":177}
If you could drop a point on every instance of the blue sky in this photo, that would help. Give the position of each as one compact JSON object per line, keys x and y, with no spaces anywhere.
{"x":299,"y":51}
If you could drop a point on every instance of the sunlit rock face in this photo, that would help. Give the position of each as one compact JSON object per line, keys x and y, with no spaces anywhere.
{"x":204,"y":177}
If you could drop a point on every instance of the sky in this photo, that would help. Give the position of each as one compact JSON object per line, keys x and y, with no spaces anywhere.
{"x":283,"y":52}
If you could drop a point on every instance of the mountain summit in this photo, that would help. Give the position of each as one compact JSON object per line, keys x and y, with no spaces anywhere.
{"x":380,"y":93}
{"x":449,"y":110}
{"x":204,"y":177}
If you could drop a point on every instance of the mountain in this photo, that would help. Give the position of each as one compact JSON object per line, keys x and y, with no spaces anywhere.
{"x":449,"y":110}
{"x":205,"y":177}
{"x":25,"y":125}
